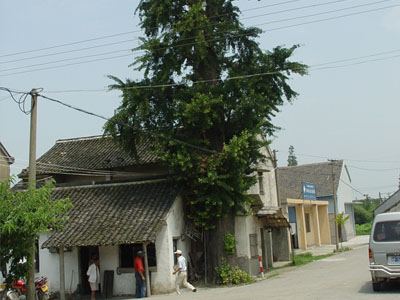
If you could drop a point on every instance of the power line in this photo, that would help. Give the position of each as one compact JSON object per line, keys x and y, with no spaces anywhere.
{"x":345,"y":159}
{"x":353,"y":188}
{"x":5,"y":98}
{"x":217,"y":39}
{"x":241,"y":77}
{"x":21,"y":100}
{"x":71,"y":51}
{"x":135,"y":31}
{"x":374,"y":170}
{"x":331,"y":18}
{"x":69,"y":59}
{"x":75,"y":108}
{"x":379,"y":187}
{"x":143,"y":130}
{"x":197,"y":27}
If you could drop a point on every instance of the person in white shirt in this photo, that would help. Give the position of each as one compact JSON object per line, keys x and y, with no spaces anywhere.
{"x":93,"y":274}
{"x":181,"y":271}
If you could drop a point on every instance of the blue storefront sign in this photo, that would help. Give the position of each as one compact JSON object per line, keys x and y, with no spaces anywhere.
{"x":309,"y":191}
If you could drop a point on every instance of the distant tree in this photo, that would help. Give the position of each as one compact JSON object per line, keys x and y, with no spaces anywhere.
{"x":23,"y":217}
{"x":292,"y":159}
{"x":361,"y":215}
{"x":364,"y":212}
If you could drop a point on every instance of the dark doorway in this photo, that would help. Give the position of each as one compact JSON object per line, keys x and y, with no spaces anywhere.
{"x":85,"y":255}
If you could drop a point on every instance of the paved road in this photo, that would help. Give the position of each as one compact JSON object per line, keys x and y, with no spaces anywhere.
{"x":342,"y":276}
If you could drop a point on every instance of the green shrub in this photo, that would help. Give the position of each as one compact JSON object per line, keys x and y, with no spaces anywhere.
{"x":232,"y":275}
{"x":229,"y":243}
{"x":362,"y":215}
{"x":363,"y":229}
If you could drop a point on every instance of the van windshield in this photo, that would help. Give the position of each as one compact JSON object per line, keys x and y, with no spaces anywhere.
{"x":387,"y":231}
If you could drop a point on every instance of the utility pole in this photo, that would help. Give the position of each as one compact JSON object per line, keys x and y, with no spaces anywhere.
{"x":275,"y":164}
{"x":32,"y":186}
{"x":334,"y":205}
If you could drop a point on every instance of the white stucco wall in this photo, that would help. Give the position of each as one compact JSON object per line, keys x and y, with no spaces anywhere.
{"x":4,"y":167}
{"x":269,"y":198}
{"x":49,"y":266}
{"x":345,"y":197}
{"x":344,"y":191}
{"x":162,"y":280}
{"x":244,"y":226}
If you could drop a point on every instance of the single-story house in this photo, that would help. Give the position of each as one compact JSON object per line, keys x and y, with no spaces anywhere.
{"x":329,"y":180}
{"x":123,"y":202}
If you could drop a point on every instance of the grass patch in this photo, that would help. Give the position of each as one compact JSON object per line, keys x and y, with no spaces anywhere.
{"x":306,"y":258}
{"x":363,"y":229}
{"x":272,"y":275}
{"x":342,"y":249}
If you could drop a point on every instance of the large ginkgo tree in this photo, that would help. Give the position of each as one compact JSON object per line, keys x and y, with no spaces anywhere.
{"x":207,"y":94}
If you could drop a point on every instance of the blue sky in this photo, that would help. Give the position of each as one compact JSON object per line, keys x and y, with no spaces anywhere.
{"x":349,"y":112}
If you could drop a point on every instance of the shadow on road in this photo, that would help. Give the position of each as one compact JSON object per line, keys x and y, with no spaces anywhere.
{"x":392,"y":287}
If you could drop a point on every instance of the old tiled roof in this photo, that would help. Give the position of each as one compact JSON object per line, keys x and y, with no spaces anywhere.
{"x":4,"y":152}
{"x":276,"y":220}
{"x":90,"y":153}
{"x":113,"y":214}
{"x":389,"y":203}
{"x":290,"y":179}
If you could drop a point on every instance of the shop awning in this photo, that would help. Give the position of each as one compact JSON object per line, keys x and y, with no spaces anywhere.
{"x":274,"y":220}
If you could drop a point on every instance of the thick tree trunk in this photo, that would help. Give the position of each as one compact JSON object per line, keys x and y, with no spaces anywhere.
{"x":215,"y":246}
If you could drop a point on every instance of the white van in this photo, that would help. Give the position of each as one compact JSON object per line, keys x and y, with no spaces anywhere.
{"x":384,"y":249}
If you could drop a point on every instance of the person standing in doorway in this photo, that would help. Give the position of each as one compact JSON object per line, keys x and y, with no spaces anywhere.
{"x":181,"y":271}
{"x":139,"y":275}
{"x":93,"y":274}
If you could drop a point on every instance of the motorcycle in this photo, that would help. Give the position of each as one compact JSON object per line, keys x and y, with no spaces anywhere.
{"x":2,"y":289}
{"x":18,"y":290}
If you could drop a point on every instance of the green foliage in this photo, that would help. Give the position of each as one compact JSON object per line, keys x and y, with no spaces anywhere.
{"x":229,"y":243}
{"x":362,"y":215}
{"x":364,"y":212}
{"x":363,"y":229}
{"x":292,"y":159}
{"x":23,"y":216}
{"x":232,"y":275}
{"x":202,"y":126}
{"x":340,"y":219}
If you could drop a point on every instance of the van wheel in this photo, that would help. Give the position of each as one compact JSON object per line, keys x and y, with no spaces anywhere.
{"x":376,"y":286}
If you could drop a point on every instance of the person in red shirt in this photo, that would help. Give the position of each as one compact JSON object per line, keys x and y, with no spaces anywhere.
{"x":139,"y":275}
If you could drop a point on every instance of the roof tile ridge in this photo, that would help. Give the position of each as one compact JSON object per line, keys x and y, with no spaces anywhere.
{"x":111,"y":184}
{"x":304,"y":165}
{"x":85,"y":138}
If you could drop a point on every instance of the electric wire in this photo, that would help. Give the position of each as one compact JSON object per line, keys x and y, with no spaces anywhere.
{"x":135,"y":31}
{"x":21,"y":100}
{"x":5,"y":98}
{"x":142,"y":130}
{"x":214,"y":40}
{"x":346,"y":159}
{"x":83,"y":170}
{"x":373,"y":170}
{"x":353,"y":188}
{"x":196,"y":27}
